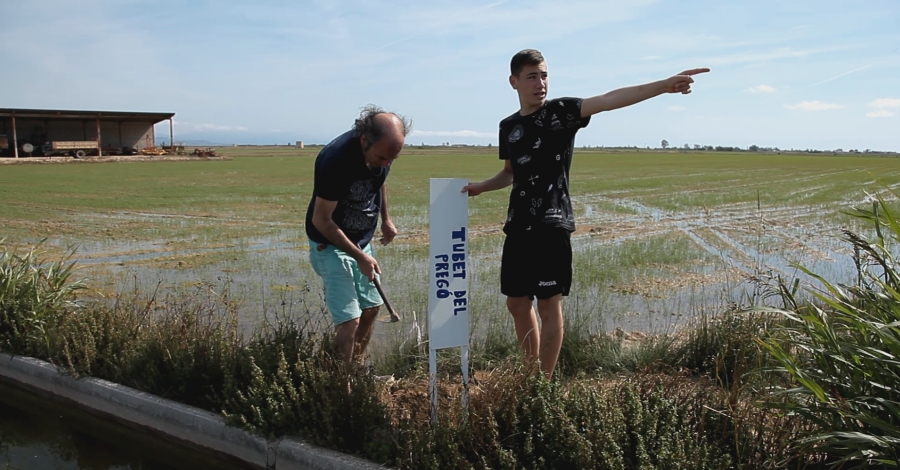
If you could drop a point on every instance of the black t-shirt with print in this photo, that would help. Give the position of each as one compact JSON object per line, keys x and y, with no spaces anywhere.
{"x":341,"y":175}
{"x":540,"y":147}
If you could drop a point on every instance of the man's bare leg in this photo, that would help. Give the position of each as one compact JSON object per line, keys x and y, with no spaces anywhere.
{"x":527,"y":330}
{"x":344,"y":339}
{"x":552,"y":332}
{"x":364,"y":333}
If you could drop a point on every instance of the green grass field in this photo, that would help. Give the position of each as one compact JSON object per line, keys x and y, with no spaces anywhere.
{"x":662,"y":235}
{"x":272,"y":184}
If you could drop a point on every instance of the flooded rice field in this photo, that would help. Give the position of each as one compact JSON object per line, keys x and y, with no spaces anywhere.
{"x":662,"y":237}
{"x":637,"y":267}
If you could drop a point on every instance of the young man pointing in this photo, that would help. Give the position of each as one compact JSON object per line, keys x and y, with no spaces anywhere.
{"x":536,"y":145}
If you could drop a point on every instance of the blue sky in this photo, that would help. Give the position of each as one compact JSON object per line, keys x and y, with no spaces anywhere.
{"x":792,"y":74}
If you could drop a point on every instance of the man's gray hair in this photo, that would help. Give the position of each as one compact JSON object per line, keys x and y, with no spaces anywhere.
{"x":366,"y":124}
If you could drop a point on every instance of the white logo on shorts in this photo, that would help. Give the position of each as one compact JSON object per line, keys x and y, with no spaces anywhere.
{"x":546,"y":283}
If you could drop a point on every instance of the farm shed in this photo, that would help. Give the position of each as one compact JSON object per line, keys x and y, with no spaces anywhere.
{"x":104,"y":132}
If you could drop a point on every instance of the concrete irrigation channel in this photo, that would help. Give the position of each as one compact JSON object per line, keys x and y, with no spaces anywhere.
{"x":194,"y":427}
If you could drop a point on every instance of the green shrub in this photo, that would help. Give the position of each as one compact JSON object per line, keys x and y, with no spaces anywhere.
{"x":313,"y":397}
{"x":178,"y":347}
{"x":724,"y":347}
{"x":518,"y":421}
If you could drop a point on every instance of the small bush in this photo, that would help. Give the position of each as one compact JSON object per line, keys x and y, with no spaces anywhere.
{"x":517,"y":421}
{"x":178,"y":347}
{"x":316,"y":398}
{"x":723,"y":347}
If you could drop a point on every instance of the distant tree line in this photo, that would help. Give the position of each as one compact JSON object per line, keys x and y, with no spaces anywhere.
{"x":664,"y":145}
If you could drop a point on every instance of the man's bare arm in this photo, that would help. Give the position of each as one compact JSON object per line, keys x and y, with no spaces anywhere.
{"x":388,"y":230}
{"x":501,"y":180}
{"x":628,"y":96}
{"x":321,"y":219}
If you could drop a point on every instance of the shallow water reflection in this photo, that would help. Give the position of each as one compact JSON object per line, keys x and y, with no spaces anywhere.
{"x":38,"y":433}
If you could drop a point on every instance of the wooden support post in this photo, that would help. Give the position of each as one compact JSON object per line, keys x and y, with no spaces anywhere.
{"x":15,"y":138}
{"x":99,"y":140}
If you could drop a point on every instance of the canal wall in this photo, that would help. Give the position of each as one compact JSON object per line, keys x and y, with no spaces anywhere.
{"x":193,"y":426}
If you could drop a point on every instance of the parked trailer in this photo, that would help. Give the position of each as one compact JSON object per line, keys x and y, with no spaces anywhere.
{"x":75,"y":148}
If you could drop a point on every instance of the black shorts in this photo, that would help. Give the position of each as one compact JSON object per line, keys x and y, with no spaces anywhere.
{"x":536,"y":263}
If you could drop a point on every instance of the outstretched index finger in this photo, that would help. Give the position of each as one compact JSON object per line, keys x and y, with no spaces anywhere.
{"x":694,"y":71}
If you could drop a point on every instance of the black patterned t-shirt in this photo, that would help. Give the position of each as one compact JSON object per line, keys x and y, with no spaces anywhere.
{"x":539,"y":147}
{"x":341,"y":175}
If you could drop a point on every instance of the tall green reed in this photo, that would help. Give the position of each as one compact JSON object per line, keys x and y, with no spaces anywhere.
{"x":34,"y":293}
{"x":842,"y":352}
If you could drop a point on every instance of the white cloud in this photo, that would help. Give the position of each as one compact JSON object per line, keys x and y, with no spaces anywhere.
{"x":813,"y":106}
{"x":881,"y":113}
{"x":454,"y":133}
{"x":677,"y":108}
{"x":761,"y":89}
{"x":886,"y":103}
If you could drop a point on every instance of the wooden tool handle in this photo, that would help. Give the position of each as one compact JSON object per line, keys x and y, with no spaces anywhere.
{"x":394,"y":316}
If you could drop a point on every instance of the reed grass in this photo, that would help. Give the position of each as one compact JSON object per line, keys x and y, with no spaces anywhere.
{"x":840,"y":353}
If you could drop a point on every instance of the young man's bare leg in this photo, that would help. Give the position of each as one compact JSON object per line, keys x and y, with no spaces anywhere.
{"x":552,"y":332}
{"x":364,"y":333}
{"x":344,"y":339}
{"x":527,"y":330}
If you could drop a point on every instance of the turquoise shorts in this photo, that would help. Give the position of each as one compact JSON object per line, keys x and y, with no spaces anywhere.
{"x":347,"y":291}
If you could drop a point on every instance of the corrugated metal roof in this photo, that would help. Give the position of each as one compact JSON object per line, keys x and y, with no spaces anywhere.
{"x":53,"y":114}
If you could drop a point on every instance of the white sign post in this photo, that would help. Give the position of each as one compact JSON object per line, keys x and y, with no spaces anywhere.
{"x":448,"y":297}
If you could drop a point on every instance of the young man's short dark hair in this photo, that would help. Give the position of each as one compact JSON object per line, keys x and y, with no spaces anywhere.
{"x":523,"y":58}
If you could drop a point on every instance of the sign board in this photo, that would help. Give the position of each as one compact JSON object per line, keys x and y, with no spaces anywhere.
{"x":448,"y":292}
{"x":448,"y":298}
